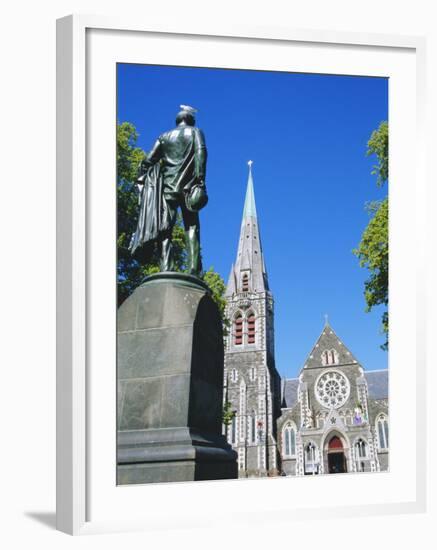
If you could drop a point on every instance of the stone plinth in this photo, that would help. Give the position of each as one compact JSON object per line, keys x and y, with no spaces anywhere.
{"x":170,"y":384}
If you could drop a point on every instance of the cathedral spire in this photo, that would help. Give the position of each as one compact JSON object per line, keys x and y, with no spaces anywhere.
{"x":249,"y":203}
{"x":248,"y":272}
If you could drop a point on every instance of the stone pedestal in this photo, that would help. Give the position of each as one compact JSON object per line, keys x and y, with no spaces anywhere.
{"x":170,"y":384}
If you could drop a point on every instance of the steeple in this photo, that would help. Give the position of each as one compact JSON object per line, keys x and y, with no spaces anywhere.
{"x":249,"y":203}
{"x":251,"y":379}
{"x":248,"y":272}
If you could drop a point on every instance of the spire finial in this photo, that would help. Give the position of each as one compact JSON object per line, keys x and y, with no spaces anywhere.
{"x":326,"y":319}
{"x":249,"y":163}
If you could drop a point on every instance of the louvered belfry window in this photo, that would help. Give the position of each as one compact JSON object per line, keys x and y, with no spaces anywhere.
{"x":245,"y":282}
{"x":251,"y":329}
{"x":238,"y":331}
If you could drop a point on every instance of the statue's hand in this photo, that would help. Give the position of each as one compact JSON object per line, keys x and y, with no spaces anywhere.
{"x":144,"y":166}
{"x":140,"y":179}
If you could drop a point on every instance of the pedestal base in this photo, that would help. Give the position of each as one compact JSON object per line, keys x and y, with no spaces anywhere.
{"x":173,"y":454}
{"x":170,"y":384}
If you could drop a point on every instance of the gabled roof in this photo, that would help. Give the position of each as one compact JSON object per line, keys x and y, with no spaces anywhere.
{"x":289,"y":392}
{"x":328,"y":340}
{"x":377,"y":383}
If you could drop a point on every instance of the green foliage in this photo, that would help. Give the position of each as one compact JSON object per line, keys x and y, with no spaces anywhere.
{"x":218,"y":287}
{"x":228,"y":414}
{"x":378,"y":145}
{"x":372,"y":251}
{"x":128,"y":155}
{"x":131,"y":270}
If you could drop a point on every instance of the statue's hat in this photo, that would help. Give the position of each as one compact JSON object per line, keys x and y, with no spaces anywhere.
{"x":188,"y":109}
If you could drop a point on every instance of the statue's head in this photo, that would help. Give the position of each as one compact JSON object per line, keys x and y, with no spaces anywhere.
{"x":186,"y":115}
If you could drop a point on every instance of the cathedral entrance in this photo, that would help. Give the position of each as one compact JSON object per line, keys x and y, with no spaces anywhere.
{"x":336,"y":456}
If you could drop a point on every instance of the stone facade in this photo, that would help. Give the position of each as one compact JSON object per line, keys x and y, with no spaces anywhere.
{"x":334,"y":415}
{"x":251,"y":383}
{"x":333,"y":418}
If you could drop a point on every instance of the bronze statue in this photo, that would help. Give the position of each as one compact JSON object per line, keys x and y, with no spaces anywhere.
{"x":172,"y":176}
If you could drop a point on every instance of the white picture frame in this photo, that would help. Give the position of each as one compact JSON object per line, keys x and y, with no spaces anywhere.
{"x":77,"y":419}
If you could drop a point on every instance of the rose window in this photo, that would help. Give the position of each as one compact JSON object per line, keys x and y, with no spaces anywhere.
{"x":332,"y":389}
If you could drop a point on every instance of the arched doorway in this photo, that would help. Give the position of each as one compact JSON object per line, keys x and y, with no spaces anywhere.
{"x":336,"y":456}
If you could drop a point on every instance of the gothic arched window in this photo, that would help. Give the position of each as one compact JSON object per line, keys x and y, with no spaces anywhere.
{"x":310,"y":455}
{"x":361,"y":449}
{"x":251,"y":328}
{"x":382,"y":430}
{"x":238,"y":329}
{"x":329,"y":357}
{"x":289,"y":440}
{"x":245,"y":282}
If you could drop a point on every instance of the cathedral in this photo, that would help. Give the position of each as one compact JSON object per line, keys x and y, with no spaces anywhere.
{"x":333,"y":418}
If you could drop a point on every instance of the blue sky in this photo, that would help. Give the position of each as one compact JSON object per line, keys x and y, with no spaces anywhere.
{"x":307,"y":136}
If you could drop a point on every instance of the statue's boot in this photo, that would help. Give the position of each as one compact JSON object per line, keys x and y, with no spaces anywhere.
{"x":194,"y":258}
{"x":167,"y":263}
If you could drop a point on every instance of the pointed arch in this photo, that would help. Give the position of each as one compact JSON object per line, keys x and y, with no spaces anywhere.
{"x":251,"y":326}
{"x":334,"y":432}
{"x":289,"y":439}
{"x":335,"y":443}
{"x":361,"y":448}
{"x":311,"y":458}
{"x":329,"y":357}
{"x":237,"y":325}
{"x":381,"y":426}
{"x":336,"y":452}
{"x":361,"y":454}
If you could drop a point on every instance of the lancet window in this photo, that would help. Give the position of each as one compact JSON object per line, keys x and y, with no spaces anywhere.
{"x":251,"y":328}
{"x":382,"y":431}
{"x":245,"y":282}
{"x":238,"y":330}
{"x":289,"y":440}
{"x":330,"y":357}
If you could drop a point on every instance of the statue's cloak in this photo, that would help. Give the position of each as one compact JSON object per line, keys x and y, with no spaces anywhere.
{"x":175,"y":164}
{"x":152,"y":218}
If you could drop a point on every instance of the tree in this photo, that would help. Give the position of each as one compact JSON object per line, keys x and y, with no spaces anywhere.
{"x":218,"y":287}
{"x":131,"y":270}
{"x":372,"y":251}
{"x":228,"y":413}
{"x":378,"y":145}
